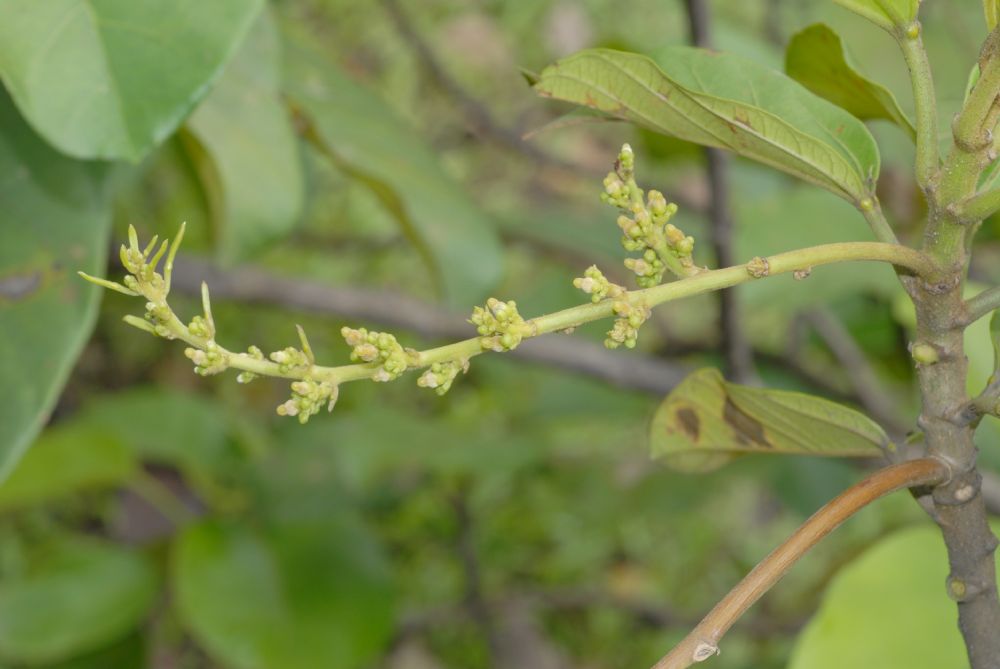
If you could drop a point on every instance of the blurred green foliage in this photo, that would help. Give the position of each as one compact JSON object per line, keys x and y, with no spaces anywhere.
{"x":164,"y":520}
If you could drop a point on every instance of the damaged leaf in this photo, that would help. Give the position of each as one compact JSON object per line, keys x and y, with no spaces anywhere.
{"x":706,"y":421}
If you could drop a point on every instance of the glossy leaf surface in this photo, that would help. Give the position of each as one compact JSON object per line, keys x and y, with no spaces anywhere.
{"x":113,"y":78}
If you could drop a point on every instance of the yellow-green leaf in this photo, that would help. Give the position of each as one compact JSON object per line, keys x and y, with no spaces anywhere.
{"x":991,"y":8}
{"x":884,"y":13}
{"x":724,"y":101}
{"x":816,"y":59}
{"x":705,"y":422}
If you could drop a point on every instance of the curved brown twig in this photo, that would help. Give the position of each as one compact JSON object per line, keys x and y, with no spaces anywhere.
{"x":703,"y":641}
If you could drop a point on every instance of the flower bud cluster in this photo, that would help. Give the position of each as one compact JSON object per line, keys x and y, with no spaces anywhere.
{"x":620,"y":189}
{"x":210,"y":360}
{"x":290,"y":359}
{"x":200,"y":327}
{"x":645,"y":225}
{"x":308,"y":397}
{"x":500,"y":327}
{"x":626,"y":327}
{"x":649,"y":231}
{"x":595,"y":284}
{"x":141,"y":264}
{"x":247,"y":377}
{"x":440,"y":375}
{"x":377,"y":347}
{"x":158,"y":316}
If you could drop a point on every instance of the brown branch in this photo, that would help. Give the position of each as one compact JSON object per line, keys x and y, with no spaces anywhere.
{"x":703,"y":641}
{"x":255,"y":286}
{"x":735,"y":346}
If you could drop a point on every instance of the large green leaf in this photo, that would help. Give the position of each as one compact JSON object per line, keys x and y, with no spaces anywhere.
{"x":293,"y":597}
{"x":724,"y":101}
{"x":54,"y":220}
{"x":887,"y":609}
{"x":112,"y":78}
{"x":76,"y":595}
{"x":247,"y":151}
{"x":64,"y":460}
{"x":705,"y":422}
{"x":371,"y":143}
{"x":816,"y":59}
{"x":884,"y":13}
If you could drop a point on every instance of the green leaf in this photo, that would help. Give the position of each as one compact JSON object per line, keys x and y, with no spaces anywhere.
{"x":887,"y":609}
{"x":246,"y":149}
{"x":295,"y":596}
{"x":991,"y":9}
{"x":705,"y":422}
{"x":126,"y":654}
{"x":884,"y":13}
{"x":64,"y":460}
{"x":163,"y":426}
{"x":113,"y":78}
{"x":369,"y":142}
{"x":816,"y":59}
{"x":724,"y":101}
{"x":76,"y":595}
{"x":55,"y":219}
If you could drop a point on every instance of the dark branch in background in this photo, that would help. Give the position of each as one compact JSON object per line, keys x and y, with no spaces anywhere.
{"x":865,"y":383}
{"x":478,"y":115}
{"x":427,"y":320}
{"x":475,"y":602}
{"x":736,"y":348}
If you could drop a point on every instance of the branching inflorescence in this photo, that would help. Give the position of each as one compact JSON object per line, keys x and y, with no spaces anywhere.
{"x":380,"y":357}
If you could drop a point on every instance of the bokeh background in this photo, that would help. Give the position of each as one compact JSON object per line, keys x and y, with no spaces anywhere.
{"x":166,"y":520}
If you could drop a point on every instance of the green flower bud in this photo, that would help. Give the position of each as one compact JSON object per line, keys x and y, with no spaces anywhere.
{"x":924,"y":354}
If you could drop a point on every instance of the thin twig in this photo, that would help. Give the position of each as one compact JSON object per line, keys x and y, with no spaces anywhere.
{"x":982,"y":304}
{"x":246,"y":284}
{"x":735,"y":346}
{"x":703,"y":641}
{"x":475,"y":601}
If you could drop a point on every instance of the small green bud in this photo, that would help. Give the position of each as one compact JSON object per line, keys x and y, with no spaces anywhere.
{"x":924,"y":354}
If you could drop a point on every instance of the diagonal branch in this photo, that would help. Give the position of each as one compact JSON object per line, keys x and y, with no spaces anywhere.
{"x":703,"y":641}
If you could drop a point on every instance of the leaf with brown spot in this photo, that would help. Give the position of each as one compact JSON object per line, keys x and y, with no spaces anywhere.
{"x":724,"y":101}
{"x":706,"y":421}
{"x":55,"y":217}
